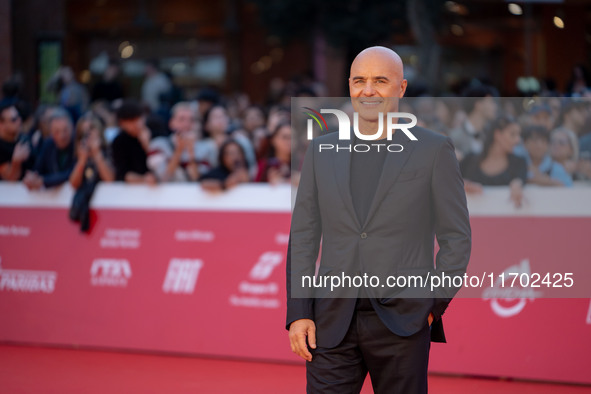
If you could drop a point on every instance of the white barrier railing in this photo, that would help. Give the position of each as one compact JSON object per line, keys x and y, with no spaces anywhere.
{"x":494,"y":201}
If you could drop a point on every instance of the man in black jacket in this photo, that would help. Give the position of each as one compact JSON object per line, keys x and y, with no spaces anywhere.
{"x":56,"y":158}
{"x":377,"y":212}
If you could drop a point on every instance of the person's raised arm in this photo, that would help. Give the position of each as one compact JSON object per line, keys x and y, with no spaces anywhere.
{"x":103,"y":167}
{"x":174,"y":161}
{"x":12,"y":170}
{"x":78,"y":171}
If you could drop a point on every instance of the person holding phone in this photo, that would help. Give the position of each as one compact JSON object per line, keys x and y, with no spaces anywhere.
{"x":231,"y":171}
{"x":92,"y":163}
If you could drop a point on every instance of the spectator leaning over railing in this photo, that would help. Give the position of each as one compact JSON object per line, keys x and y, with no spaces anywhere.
{"x":231,"y":171}
{"x":130,"y":147}
{"x":172,"y":158}
{"x":14,"y":151}
{"x":496,"y":165}
{"x":92,"y":166}
{"x":542,"y":169}
{"x":55,"y":162}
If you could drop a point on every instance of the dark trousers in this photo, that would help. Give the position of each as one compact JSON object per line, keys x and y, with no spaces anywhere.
{"x":395,"y":364}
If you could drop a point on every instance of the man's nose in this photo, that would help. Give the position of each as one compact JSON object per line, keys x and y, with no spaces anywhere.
{"x":369,"y":90}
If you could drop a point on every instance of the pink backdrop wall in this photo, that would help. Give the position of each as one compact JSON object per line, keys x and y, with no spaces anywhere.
{"x":170,"y":269}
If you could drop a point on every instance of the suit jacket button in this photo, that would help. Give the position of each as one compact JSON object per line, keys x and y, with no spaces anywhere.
{"x":363,"y":235}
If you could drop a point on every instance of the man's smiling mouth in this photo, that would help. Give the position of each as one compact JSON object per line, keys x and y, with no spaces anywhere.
{"x":371,"y":102}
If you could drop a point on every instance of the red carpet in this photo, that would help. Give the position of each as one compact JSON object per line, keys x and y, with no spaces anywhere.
{"x":52,"y":370}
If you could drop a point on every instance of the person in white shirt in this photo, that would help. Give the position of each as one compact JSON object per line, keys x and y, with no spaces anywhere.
{"x":172,"y":158}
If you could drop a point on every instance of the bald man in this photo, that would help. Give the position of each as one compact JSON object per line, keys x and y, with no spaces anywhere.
{"x":376,"y":212}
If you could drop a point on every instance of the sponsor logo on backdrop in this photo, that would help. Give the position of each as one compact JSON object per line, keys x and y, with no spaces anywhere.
{"x":121,"y":238}
{"x":110,"y":272}
{"x":29,"y":281}
{"x":14,"y":231}
{"x":194,"y":236}
{"x":265,"y":265}
{"x":181,"y":276}
{"x":507,"y":300}
{"x":259,"y":291}
{"x":281,"y":238}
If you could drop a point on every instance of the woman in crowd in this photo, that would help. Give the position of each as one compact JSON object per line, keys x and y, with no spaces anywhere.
{"x":231,"y":171}
{"x":92,"y":163}
{"x":215,"y":125}
{"x":92,"y":166}
{"x":215,"y":128}
{"x":275,"y":165}
{"x":496,"y":165}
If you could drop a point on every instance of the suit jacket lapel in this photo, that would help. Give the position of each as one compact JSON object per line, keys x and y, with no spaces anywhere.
{"x":393,"y":164}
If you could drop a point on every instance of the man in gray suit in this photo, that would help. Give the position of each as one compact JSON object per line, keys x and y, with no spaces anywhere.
{"x":376,"y":212}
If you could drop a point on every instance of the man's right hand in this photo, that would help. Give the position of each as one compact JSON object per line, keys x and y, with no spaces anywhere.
{"x":298,"y":331}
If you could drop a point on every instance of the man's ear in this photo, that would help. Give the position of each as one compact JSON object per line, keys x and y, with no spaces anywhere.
{"x":403,"y":88}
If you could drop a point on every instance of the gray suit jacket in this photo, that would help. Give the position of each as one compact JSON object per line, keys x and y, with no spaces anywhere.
{"x":420,"y":195}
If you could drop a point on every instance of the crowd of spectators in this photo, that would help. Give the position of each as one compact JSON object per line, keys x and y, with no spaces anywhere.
{"x":544,"y":141}
{"x":220,"y":142}
{"x":84,"y":138}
